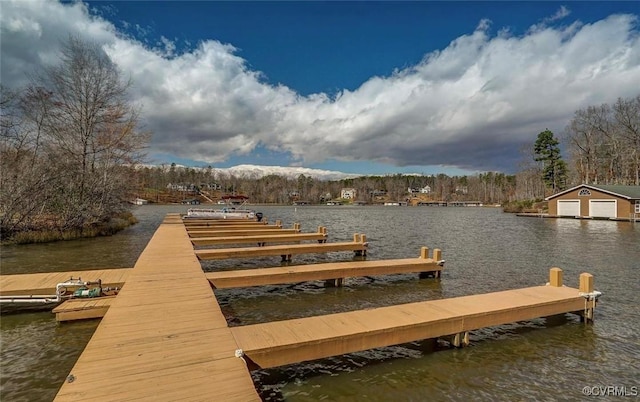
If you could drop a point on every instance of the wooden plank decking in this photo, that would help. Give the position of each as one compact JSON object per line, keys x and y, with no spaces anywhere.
{"x":293,"y":341}
{"x":83,"y":309}
{"x":238,"y":232}
{"x":45,"y":283}
{"x":281,"y":250}
{"x":328,"y":271}
{"x":91,"y":308}
{"x":277,"y":237}
{"x":213,"y":223}
{"x":164,"y":336}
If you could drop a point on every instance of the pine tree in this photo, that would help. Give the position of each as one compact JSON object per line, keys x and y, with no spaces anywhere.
{"x":554,"y":169}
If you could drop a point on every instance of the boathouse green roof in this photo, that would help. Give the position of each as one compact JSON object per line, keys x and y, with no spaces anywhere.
{"x":628,"y":192}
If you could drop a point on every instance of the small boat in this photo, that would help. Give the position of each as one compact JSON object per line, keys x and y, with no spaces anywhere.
{"x":224,"y":213}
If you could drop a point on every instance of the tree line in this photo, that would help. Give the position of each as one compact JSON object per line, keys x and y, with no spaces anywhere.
{"x":490,"y":188}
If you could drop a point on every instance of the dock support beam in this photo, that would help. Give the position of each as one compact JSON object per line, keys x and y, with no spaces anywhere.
{"x":459,"y":340}
{"x":334,"y":283}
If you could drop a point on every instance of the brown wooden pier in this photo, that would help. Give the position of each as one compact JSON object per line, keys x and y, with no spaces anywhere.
{"x":45,"y":283}
{"x":164,"y":337}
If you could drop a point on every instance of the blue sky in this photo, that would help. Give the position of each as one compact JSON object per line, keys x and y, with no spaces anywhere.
{"x":359,"y":87}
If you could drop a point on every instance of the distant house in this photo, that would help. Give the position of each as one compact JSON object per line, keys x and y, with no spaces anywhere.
{"x":425,"y":190}
{"x":326,"y":197}
{"x":597,"y":201}
{"x":210,"y":186}
{"x":181,"y":187}
{"x":235,"y":199}
{"x":348,"y":193}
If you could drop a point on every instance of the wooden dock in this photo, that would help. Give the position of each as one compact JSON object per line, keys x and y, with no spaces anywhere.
{"x":277,"y":237}
{"x":218,"y":223}
{"x":240,"y":232}
{"x":83,"y":309}
{"x":164,"y":336}
{"x":359,"y":245}
{"x":293,"y":341}
{"x":45,"y":283}
{"x":334,"y":273}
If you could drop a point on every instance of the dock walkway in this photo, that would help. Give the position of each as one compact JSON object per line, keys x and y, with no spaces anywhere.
{"x":45,"y":283}
{"x":334,"y":271}
{"x":164,"y":336}
{"x":359,"y":245}
{"x":293,"y":341}
{"x":262,"y":239}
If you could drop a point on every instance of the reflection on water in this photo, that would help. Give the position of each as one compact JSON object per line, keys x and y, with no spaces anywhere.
{"x":485,"y":250}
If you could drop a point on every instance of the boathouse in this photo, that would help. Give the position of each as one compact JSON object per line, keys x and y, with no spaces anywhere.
{"x":597,"y":201}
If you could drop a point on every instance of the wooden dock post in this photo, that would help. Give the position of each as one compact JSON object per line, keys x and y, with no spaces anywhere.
{"x":555,"y":277}
{"x":333,"y":283}
{"x":590,"y":296}
{"x":360,"y":238}
{"x":460,"y":339}
{"x":424,"y":253}
{"x":437,"y":256}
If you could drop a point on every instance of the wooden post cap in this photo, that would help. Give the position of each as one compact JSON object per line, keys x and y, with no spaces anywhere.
{"x":437,"y":254}
{"x":555,"y":277}
{"x":424,"y":253}
{"x":586,"y":283}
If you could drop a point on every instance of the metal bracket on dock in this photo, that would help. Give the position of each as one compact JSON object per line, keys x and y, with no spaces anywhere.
{"x":591,"y":295}
{"x":240,"y":354}
{"x":590,"y":300}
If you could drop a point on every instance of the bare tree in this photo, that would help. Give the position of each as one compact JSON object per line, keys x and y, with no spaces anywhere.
{"x":604,"y":143}
{"x":627,"y":119}
{"x":75,"y":129}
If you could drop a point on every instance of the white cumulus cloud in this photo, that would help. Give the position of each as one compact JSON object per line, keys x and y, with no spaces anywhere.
{"x":470,"y":105}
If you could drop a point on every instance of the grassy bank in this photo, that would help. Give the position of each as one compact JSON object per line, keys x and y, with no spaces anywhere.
{"x":517,"y":207}
{"x":112,"y":226}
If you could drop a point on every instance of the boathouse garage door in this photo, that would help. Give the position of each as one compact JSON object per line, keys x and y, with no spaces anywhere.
{"x":569,"y":207}
{"x":602,"y":208}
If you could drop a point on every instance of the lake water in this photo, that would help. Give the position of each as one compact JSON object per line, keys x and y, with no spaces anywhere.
{"x":485,"y":251}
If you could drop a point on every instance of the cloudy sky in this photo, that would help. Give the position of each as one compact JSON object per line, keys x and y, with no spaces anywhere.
{"x":358,"y":87}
